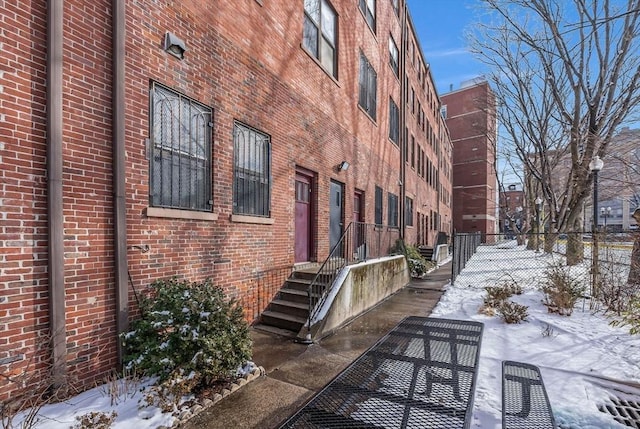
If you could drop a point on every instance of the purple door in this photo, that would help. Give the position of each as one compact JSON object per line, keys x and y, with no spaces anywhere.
{"x":303,"y":237}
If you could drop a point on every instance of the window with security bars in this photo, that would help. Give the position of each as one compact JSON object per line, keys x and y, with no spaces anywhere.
{"x":368,"y":87}
{"x":392,"y":202}
{"x":319,"y":33}
{"x":252,"y":171}
{"x":408,"y":206}
{"x":394,"y":121}
{"x":180,"y":155}
{"x":378,"y":206}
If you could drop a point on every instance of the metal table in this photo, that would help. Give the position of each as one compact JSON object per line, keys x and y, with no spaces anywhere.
{"x":422,"y":374}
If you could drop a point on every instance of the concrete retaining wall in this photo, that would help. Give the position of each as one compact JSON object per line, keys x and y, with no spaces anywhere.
{"x":359,"y":288}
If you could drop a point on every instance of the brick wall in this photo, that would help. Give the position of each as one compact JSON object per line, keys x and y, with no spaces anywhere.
{"x":23,"y":201}
{"x":472,"y":127}
{"x":244,"y":60}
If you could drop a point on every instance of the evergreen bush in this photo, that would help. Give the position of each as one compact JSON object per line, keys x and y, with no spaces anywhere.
{"x":188,"y":331}
{"x":418,"y":266}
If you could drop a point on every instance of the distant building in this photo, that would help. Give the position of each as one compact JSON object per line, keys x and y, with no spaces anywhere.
{"x":512,"y":204}
{"x":470,"y":114}
{"x":618,"y":184}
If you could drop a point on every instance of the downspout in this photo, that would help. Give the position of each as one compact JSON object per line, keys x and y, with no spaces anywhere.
{"x":119,"y":200}
{"x":55,"y":266}
{"x":403,"y":106}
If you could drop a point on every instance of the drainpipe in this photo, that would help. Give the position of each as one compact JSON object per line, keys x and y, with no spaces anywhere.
{"x":403,"y":106}
{"x":119,"y":200}
{"x":55,"y":266}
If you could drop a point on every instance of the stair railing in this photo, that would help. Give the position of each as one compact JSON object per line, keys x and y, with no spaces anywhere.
{"x":358,"y":243}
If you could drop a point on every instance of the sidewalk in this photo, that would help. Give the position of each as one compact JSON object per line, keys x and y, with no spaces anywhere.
{"x":295,"y":372}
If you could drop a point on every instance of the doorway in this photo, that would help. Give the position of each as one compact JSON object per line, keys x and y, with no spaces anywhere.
{"x":336,"y":214}
{"x":303,"y":215}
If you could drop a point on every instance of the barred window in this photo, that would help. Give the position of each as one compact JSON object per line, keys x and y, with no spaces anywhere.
{"x":181,"y":151}
{"x":392,"y":202}
{"x":408,"y":207}
{"x":394,"y":121}
{"x":378,"y":206}
{"x":319,"y":33}
{"x":252,"y":171}
{"x":368,"y":87}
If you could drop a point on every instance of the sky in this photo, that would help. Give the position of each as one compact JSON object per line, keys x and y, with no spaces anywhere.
{"x":583,"y":360}
{"x":440,"y":25}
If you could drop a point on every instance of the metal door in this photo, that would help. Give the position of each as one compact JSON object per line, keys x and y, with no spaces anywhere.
{"x":336,"y":214}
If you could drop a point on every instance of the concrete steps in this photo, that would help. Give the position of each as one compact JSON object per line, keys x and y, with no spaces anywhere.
{"x":289,"y":310}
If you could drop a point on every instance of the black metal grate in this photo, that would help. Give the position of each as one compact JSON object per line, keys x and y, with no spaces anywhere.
{"x":525,"y":404}
{"x":420,"y":375}
{"x":623,"y":411}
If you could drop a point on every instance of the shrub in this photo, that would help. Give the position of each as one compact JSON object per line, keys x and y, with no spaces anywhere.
{"x":496,"y":295}
{"x":189,"y":332}
{"x":95,"y":420}
{"x":614,"y":289}
{"x":561,"y":290}
{"x":418,"y":266}
{"x":512,"y":312}
{"x":630,"y":317}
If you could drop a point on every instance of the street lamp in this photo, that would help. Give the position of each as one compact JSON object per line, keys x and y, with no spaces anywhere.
{"x":595,"y":166}
{"x":605,"y":213}
{"x":538,"y":209}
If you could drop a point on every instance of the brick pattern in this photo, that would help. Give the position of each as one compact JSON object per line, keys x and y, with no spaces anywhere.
{"x":244,"y":59}
{"x":472,"y":128}
{"x":23,"y":201}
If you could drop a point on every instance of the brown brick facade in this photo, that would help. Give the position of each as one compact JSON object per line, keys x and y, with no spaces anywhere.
{"x":244,"y":60}
{"x":470,"y":117}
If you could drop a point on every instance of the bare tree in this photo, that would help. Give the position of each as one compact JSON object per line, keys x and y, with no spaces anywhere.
{"x":566,"y":76}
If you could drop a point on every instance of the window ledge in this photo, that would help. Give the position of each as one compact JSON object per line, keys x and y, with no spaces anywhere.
{"x":252,"y":219}
{"x":315,"y":60}
{"x":180,"y":214}
{"x":373,"y":121}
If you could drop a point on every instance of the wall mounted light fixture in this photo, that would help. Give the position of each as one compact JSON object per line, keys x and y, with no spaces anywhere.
{"x":173,"y":45}
{"x":343,"y":166}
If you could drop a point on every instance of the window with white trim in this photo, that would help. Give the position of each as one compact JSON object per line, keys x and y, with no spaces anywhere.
{"x":393,"y":56}
{"x":319,"y":34}
{"x":368,"y":9}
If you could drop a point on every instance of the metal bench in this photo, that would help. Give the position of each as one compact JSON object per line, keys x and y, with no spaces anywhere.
{"x":422,"y":374}
{"x":525,"y":404}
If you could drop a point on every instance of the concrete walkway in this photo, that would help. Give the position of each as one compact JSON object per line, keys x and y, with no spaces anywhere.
{"x":295,"y":372}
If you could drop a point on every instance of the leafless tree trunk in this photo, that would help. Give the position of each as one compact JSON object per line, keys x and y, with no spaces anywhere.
{"x":566,"y":76}
{"x":634,"y":272}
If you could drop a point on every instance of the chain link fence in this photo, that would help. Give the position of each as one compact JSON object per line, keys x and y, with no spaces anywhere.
{"x":603,"y":263}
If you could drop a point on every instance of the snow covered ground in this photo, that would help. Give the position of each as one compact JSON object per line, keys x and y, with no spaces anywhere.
{"x":580,"y":357}
{"x":584,"y":362}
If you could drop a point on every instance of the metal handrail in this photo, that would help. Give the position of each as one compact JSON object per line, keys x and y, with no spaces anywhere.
{"x":359,"y":242}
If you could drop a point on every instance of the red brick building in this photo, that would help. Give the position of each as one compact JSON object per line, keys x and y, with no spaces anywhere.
{"x":470,"y":114}
{"x":512,"y":209}
{"x":199,"y":139}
